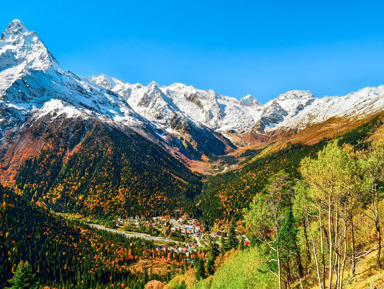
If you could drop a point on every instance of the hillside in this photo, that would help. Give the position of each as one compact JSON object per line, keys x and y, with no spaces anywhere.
{"x":68,"y":254}
{"x":225,"y":195}
{"x":315,"y":225}
{"x":88,"y":167}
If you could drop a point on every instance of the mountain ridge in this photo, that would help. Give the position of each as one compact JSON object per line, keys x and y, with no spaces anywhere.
{"x":45,"y":88}
{"x":186,"y":121}
{"x":295,"y":109}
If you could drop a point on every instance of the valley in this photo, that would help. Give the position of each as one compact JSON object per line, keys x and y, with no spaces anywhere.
{"x":107,"y":184}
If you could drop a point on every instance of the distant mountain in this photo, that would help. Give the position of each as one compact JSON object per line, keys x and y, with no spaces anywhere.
{"x":51,"y":119}
{"x":296,"y":109}
{"x":206,"y":107}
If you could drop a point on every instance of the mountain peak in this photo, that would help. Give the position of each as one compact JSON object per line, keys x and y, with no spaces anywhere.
{"x":15,"y":27}
{"x":153,"y":85}
{"x":16,"y":32}
{"x":249,"y":100}
{"x":296,"y":94}
{"x":18,"y":45}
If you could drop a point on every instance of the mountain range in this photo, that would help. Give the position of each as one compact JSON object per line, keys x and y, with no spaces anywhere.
{"x":61,"y":132}
{"x":187,"y":120}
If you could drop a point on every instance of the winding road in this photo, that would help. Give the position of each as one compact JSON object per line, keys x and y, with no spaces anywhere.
{"x":134,"y":234}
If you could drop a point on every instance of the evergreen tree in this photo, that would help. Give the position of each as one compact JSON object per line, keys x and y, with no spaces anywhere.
{"x":210,"y":265}
{"x":231,"y":241}
{"x":213,"y":248}
{"x":269,"y":218}
{"x":200,"y":268}
{"x":182,"y":285}
{"x":23,"y":277}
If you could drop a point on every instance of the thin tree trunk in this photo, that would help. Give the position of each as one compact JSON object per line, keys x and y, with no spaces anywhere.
{"x":336,"y":269}
{"x":345,"y":254}
{"x":353,"y":246}
{"x":378,"y":229}
{"x":315,"y":255}
{"x":330,"y":273}
{"x":336,"y":247}
{"x":306,"y":241}
{"x":322,"y":248}
{"x":339,"y":280}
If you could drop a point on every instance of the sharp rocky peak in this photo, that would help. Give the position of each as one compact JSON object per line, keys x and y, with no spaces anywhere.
{"x":153,"y":85}
{"x":16,"y":27}
{"x":296,"y":94}
{"x":18,"y":45}
{"x":249,"y":100}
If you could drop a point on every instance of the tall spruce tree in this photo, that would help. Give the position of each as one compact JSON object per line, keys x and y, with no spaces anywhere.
{"x":24,"y":278}
{"x":269,"y":219}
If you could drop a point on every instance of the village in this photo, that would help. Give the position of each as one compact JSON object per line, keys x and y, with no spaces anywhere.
{"x":182,"y":234}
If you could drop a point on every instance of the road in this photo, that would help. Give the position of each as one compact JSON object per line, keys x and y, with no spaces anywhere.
{"x":134,"y":234}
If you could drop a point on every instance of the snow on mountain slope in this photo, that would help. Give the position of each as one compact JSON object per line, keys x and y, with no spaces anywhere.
{"x":159,"y":108}
{"x":20,"y":46}
{"x":218,"y":112}
{"x":284,"y":108}
{"x":33,"y":83}
{"x":150,"y":102}
{"x":294,"y":109}
{"x":364,"y":102}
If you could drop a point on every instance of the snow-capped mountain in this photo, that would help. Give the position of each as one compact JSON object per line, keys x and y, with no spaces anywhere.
{"x":286,"y":106}
{"x":33,"y":85}
{"x":188,"y":121}
{"x":213,"y":110}
{"x":294,"y":109}
{"x":359,"y":104}
{"x":32,"y":82}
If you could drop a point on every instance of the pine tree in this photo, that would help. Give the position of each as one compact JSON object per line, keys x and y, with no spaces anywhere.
{"x":200,"y":268}
{"x":23,"y":277}
{"x":268,"y":216}
{"x":210,"y":265}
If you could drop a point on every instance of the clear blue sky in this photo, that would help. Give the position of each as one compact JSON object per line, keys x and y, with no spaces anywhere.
{"x":234,"y":47}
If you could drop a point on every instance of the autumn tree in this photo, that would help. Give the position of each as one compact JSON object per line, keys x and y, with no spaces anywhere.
{"x":305,"y":208}
{"x":332,"y":187}
{"x":269,"y":217}
{"x":372,"y":172}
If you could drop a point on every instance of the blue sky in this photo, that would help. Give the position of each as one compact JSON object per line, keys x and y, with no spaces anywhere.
{"x":234,"y":47}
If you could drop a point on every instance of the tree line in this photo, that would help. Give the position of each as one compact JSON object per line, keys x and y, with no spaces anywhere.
{"x":320,"y":226}
{"x":67,"y":254}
